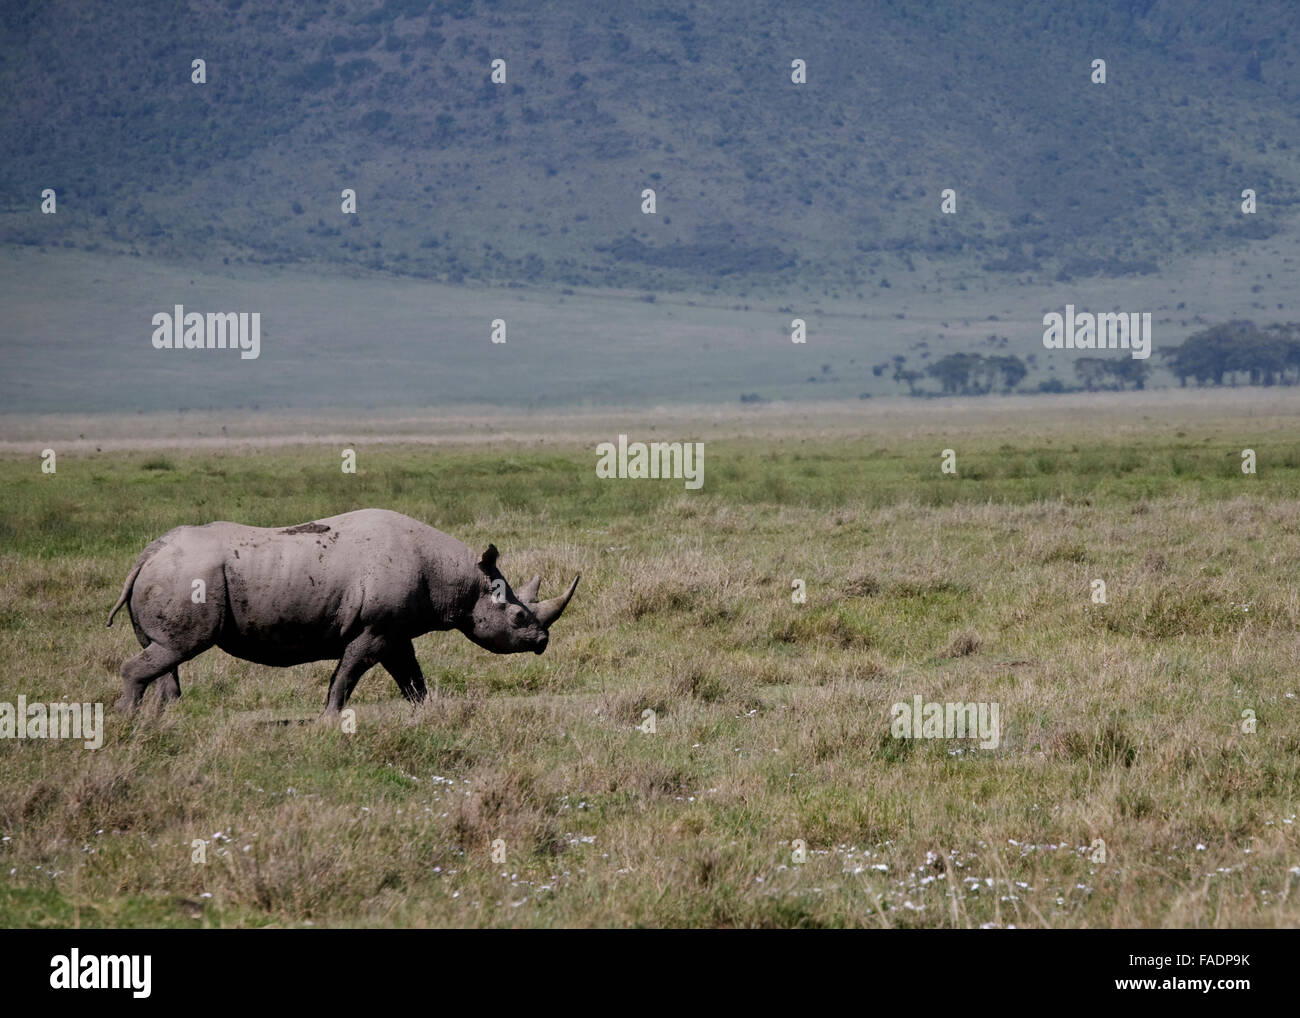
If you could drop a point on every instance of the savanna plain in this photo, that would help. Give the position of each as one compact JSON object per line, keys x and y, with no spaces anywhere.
{"x":1125,"y":725}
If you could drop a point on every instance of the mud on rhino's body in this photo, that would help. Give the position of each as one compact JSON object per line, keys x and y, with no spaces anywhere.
{"x":357,"y":587}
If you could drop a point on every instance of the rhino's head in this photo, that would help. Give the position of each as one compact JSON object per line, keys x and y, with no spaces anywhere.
{"x":506,"y":622}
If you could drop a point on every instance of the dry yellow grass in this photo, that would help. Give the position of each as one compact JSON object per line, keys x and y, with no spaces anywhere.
{"x":1121,"y":722}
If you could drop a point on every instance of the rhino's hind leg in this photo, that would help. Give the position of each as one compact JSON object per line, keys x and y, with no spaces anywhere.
{"x":169,"y":687}
{"x":155,"y":660}
{"x":399,"y":661}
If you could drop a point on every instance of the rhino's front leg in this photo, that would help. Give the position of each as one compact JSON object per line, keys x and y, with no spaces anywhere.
{"x":400,"y":663}
{"x":361,"y":655}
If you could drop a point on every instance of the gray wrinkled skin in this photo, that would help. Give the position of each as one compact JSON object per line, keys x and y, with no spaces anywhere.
{"x":357,"y":587}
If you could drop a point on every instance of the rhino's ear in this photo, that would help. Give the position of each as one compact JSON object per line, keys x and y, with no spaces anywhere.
{"x":488,"y":560}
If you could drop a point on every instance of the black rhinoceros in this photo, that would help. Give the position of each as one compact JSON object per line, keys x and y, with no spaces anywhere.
{"x":358,"y":587}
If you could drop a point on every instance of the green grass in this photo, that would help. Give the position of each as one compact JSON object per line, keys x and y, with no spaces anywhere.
{"x":1120,"y":721}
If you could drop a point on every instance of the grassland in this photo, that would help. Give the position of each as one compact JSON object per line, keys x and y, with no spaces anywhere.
{"x":78,"y":326}
{"x":1120,"y":722}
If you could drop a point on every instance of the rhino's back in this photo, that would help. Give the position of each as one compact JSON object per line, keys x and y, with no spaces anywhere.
{"x":334,"y":553}
{"x":343,"y":564}
{"x":394,"y":536}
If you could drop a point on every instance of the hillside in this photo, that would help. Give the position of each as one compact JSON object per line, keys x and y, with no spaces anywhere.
{"x":764,"y":188}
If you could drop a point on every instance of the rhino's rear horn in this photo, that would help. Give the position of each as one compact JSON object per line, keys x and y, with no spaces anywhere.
{"x":550,"y":610}
{"x":528,"y":592}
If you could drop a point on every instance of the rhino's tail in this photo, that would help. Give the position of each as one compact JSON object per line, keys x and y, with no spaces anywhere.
{"x":130,"y":579}
{"x":126,"y":590}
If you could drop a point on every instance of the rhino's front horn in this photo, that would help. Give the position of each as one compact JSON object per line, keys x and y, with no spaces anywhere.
{"x":550,"y":610}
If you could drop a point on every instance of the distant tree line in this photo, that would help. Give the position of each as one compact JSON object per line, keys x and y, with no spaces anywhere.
{"x":1232,"y":353}
{"x":1238,"y":351}
{"x":960,"y":374}
{"x":1111,"y":372}
{"x":973,"y":374}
